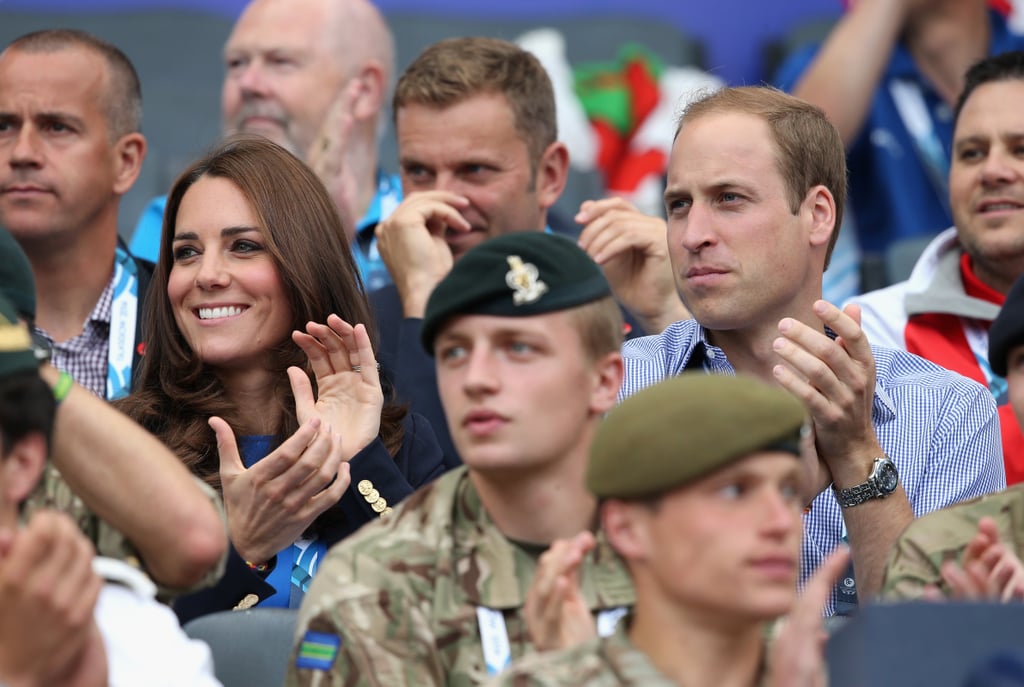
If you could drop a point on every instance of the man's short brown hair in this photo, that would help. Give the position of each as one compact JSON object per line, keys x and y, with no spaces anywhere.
{"x":453,"y":70}
{"x":810,"y":150}
{"x":600,"y":326}
{"x":123,"y":100}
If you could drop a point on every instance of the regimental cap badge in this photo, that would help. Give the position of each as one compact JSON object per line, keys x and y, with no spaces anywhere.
{"x":523,"y":279}
{"x":16,"y":353}
{"x":14,"y":337}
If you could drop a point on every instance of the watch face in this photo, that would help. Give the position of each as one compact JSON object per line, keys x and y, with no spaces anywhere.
{"x":888,"y":478}
{"x":41,"y":347}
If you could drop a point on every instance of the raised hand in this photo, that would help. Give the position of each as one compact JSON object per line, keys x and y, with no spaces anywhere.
{"x":797,"y":656}
{"x":835,"y":378}
{"x":412,"y":244}
{"x":557,"y":616}
{"x":632,"y":248}
{"x":990,"y":571}
{"x":48,"y":592}
{"x":326,"y":155}
{"x":817,"y":476}
{"x":836,"y":381}
{"x":348,"y":398}
{"x":272,"y":503}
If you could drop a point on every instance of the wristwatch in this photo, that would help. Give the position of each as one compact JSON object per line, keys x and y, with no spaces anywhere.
{"x":41,"y":348}
{"x":880,"y":483}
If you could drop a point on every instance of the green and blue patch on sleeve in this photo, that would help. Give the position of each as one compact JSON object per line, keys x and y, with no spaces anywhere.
{"x":318,"y":651}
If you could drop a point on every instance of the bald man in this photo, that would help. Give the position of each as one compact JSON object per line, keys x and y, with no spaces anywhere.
{"x":312,"y":76}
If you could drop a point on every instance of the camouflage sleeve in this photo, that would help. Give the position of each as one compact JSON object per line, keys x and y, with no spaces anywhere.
{"x":349,"y":634}
{"x":54,"y":493}
{"x":909,"y":570}
{"x":918,"y":555}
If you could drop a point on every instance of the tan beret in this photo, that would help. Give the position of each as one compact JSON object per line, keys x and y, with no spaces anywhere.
{"x":686,"y":427}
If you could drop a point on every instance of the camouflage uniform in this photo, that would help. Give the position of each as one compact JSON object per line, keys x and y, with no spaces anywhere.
{"x":399,"y":598}
{"x":608,"y":662}
{"x":54,"y":493}
{"x":943,"y":535}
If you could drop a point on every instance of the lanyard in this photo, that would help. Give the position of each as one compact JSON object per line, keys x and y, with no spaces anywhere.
{"x":123,"y":313}
{"x":913,"y":110}
{"x":494,"y":634}
{"x":977,"y":340}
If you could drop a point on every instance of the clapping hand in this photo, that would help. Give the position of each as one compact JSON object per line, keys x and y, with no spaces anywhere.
{"x":797,"y":656}
{"x":348,"y":396}
{"x":557,"y":615}
{"x":990,"y":571}
{"x":272,"y":503}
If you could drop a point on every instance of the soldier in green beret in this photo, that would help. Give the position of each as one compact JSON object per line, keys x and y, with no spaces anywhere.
{"x":700,"y":484}
{"x":526,"y":338}
{"x":972,"y":550}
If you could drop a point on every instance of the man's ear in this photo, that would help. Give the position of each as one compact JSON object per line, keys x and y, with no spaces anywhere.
{"x":625,"y":526}
{"x":129,"y":152}
{"x":369,"y":91}
{"x":22,"y":467}
{"x":608,"y":374}
{"x":552,"y":172}
{"x":819,"y":206}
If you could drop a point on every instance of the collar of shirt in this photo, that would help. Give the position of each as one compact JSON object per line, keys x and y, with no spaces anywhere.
{"x":504,"y":571}
{"x":385,"y":200}
{"x":696,"y":352}
{"x":97,"y":323}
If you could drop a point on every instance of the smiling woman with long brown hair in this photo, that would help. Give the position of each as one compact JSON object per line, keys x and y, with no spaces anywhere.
{"x":260,"y":371}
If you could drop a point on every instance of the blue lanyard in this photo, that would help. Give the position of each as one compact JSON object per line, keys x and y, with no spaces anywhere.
{"x":123,"y":313}
{"x":913,"y":110}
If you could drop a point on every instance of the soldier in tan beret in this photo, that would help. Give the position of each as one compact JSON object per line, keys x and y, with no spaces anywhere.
{"x":700,"y":482}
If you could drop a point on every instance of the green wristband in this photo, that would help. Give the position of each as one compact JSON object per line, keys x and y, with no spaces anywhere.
{"x":63,"y":386}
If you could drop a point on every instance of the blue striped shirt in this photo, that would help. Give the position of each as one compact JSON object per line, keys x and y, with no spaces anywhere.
{"x":940,"y":428}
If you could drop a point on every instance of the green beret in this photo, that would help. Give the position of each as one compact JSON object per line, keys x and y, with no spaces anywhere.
{"x":17,"y":283}
{"x":15,"y":343}
{"x":515,"y":275}
{"x":687,"y":427}
{"x":1007,"y":331}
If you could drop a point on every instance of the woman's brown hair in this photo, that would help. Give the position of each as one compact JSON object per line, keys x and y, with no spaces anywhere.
{"x":176,"y":392}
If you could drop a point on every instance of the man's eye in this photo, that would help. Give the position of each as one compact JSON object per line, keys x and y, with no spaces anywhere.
{"x":677,"y":205}
{"x":520,"y":347}
{"x":969,"y":154}
{"x":415,"y":171}
{"x":450,"y":353}
{"x":731,"y":491}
